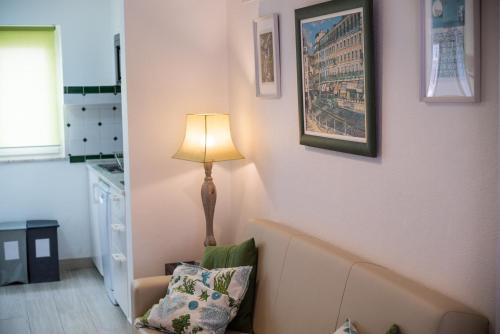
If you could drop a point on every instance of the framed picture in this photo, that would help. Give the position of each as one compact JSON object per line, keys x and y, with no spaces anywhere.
{"x":267,"y":56}
{"x":450,"y":46}
{"x":335,"y":76}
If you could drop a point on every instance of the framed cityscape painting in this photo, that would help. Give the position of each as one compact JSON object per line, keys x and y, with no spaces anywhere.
{"x":267,"y":56}
{"x":450,"y":46}
{"x":335,"y":76}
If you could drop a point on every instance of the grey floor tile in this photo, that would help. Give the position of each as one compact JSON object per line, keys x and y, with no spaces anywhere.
{"x":77,"y":304}
{"x":17,"y":325}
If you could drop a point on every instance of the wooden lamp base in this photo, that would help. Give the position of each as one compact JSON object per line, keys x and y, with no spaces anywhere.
{"x":209,"y":197}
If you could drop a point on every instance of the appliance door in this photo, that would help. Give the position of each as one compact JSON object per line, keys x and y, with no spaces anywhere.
{"x":95,"y":199}
{"x":103,"y":221}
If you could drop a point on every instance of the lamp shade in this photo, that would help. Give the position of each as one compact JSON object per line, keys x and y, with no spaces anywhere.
{"x":207,"y":139}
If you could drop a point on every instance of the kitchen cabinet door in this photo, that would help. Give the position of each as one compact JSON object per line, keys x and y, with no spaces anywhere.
{"x":119,"y":251}
{"x":120,"y":281}
{"x":94,"y":222}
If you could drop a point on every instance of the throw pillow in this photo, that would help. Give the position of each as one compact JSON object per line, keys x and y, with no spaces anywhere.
{"x":244,"y":254}
{"x":199,"y":300}
{"x":394,"y":330}
{"x":347,"y":328}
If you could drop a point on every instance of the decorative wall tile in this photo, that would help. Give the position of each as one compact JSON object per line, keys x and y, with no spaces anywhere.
{"x":93,"y":127}
{"x":80,"y":99}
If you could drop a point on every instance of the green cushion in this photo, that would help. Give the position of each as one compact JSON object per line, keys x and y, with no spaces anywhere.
{"x":394,"y":330}
{"x":244,"y":254}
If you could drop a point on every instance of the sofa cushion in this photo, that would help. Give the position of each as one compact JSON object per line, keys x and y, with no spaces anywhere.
{"x":153,"y":331}
{"x":394,"y":330}
{"x":199,"y":300}
{"x":272,"y":240}
{"x":378,"y":298}
{"x":244,"y":254}
{"x":144,"y":330}
{"x":310,"y":293}
{"x":347,"y":328}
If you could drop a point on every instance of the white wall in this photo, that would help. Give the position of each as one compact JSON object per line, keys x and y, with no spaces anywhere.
{"x":49,"y":190}
{"x":426,"y":207}
{"x":176,"y":63}
{"x":87,"y":39}
{"x":56,"y":189}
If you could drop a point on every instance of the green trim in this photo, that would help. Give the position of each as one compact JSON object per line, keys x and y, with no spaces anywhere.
{"x":82,"y":158}
{"x":76,"y":159}
{"x":91,"y":90}
{"x":84,"y":90}
{"x":107,"y":89}
{"x":74,"y":90}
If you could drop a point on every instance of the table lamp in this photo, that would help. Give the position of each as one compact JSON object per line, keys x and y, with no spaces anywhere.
{"x":208,"y":139}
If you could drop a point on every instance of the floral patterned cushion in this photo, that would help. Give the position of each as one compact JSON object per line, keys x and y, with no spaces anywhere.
{"x":199,"y":300}
{"x":394,"y":330}
{"x":347,"y":328}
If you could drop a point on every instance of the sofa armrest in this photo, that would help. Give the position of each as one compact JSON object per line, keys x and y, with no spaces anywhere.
{"x":146,"y":292}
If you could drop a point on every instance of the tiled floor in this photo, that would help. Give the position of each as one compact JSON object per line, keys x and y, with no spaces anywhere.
{"x":76,"y":305}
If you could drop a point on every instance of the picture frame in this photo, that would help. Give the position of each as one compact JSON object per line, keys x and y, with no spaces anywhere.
{"x":335,"y":76}
{"x":267,"y":56}
{"x":450,"y":68}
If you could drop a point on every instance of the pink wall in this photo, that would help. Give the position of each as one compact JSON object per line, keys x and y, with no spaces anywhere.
{"x":426,"y":207}
{"x":176,"y":59}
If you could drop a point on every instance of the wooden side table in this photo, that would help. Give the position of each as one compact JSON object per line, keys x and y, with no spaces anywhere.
{"x":170,"y":267}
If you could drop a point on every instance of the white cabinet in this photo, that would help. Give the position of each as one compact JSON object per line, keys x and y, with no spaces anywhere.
{"x":119,"y":260}
{"x":120,"y":281}
{"x":94,"y":220}
{"x":109,"y":237}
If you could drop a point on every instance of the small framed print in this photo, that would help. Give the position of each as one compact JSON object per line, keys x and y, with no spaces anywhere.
{"x":267,"y":56}
{"x":450,"y":46}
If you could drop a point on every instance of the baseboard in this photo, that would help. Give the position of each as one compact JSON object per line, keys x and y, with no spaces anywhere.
{"x":71,"y":264}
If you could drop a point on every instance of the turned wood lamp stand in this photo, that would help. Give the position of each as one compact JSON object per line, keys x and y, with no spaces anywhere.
{"x":209,"y":197}
{"x":208,"y":139}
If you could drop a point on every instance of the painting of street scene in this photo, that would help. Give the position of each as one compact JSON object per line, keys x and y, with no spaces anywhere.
{"x":333,"y":65}
{"x":267,"y":57}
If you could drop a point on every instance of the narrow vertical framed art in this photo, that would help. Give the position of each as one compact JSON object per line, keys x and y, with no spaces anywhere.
{"x":450,"y":51}
{"x":267,"y":56}
{"x":335,"y":76}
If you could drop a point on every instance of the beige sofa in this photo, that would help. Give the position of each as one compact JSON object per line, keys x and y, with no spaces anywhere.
{"x":306,"y":286}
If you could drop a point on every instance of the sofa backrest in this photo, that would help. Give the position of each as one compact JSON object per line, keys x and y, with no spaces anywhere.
{"x":305,"y":285}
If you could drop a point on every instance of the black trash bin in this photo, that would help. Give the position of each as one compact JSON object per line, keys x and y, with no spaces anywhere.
{"x":43,"y":255}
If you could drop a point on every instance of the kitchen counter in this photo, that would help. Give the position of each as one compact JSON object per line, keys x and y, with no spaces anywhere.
{"x":114,"y":179}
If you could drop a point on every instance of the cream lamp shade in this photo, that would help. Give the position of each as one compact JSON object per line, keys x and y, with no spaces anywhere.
{"x":207,"y":139}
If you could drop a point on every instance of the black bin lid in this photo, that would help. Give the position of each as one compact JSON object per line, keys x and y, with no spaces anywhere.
{"x":41,"y":223}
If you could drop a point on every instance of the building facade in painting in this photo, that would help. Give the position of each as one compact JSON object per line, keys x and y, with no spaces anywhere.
{"x":334,"y":80}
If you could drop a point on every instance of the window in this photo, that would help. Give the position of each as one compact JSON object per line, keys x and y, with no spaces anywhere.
{"x":31,"y":93}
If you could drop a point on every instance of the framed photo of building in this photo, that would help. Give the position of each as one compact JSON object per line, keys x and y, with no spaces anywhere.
{"x":267,"y":56}
{"x":450,"y":46}
{"x":335,"y":76}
